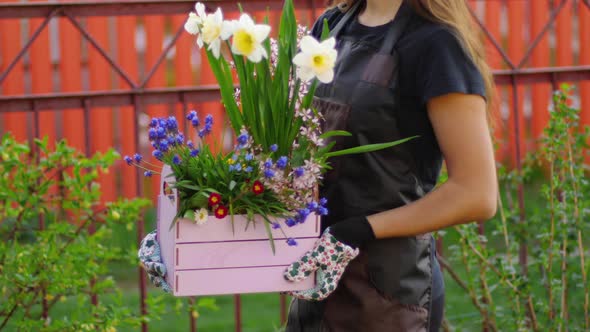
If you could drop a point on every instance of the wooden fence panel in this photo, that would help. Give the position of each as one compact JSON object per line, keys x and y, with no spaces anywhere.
{"x":14,"y":84}
{"x":127,"y":59}
{"x":41,"y":77}
{"x":541,"y":92}
{"x":584,"y":40}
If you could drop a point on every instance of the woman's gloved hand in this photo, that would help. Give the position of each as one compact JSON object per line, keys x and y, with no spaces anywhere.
{"x":149,"y":255}
{"x":332,"y":253}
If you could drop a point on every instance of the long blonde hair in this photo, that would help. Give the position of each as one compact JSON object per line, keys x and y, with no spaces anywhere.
{"x":455,"y":15}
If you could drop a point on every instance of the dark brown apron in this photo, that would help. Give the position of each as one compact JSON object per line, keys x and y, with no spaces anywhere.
{"x":387,"y":288}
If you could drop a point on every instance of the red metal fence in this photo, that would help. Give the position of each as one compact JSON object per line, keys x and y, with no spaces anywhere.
{"x":94,"y":72}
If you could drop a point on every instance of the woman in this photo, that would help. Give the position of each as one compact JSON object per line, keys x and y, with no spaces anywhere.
{"x":404,"y":68}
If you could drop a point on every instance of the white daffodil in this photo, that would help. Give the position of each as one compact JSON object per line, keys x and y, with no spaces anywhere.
{"x":195,"y":20}
{"x":248,"y":38}
{"x":201,"y":216}
{"x":316,"y":59}
{"x":209,"y":28}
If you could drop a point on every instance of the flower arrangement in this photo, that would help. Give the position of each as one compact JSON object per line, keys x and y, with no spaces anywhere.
{"x":279,"y":154}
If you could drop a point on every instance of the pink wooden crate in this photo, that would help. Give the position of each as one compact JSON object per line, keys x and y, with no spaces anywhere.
{"x":211,"y":259}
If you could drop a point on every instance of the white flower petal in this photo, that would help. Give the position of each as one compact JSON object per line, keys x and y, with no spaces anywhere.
{"x":246,"y":21}
{"x":302,"y":60}
{"x":326,"y":77}
{"x":263,"y":51}
{"x":218,"y":15}
{"x":200,"y":9}
{"x":214,"y":47}
{"x":305,"y":73}
{"x":192,"y":24}
{"x":200,"y":41}
{"x":309,"y":44}
{"x":329,"y":43}
{"x":227,"y":29}
{"x":261,"y":31}
{"x":256,"y":55}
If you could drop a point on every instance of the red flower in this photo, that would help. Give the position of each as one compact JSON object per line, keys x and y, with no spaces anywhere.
{"x":214,"y":199}
{"x":257,"y":188}
{"x":221,"y":212}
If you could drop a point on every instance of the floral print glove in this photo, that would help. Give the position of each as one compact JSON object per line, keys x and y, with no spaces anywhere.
{"x":149,"y":255}
{"x":329,"y":258}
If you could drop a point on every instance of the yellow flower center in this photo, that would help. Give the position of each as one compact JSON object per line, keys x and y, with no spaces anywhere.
{"x":319,"y":62}
{"x":231,"y":161}
{"x":214,"y":199}
{"x":244,"y":42}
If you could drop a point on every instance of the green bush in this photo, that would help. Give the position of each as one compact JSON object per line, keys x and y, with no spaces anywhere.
{"x":549,"y":291}
{"x":54,"y":235}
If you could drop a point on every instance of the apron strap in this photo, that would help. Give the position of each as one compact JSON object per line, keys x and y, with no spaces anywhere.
{"x":402,"y":18}
{"x":349,"y":13}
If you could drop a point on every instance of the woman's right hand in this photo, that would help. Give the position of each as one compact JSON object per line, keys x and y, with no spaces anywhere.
{"x":149,"y":256}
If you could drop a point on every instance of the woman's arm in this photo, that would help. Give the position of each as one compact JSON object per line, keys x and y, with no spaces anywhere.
{"x":470,"y":194}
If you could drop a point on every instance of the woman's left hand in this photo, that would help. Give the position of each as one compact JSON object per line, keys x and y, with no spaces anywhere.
{"x":332,"y":253}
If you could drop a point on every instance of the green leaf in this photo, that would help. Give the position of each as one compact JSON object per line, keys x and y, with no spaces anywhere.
{"x":332,"y":133}
{"x":367,"y":148}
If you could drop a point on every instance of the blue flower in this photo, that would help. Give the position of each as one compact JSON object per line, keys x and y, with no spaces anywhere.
{"x":268,"y":163}
{"x":275,"y":225}
{"x":195,"y":122}
{"x":290,"y":222}
{"x":209,"y":119}
{"x":282,"y":162}
{"x":153,"y":133}
{"x":323,"y":201}
{"x":162,"y":123}
{"x":269,"y":173}
{"x":190,"y":144}
{"x":163,"y":145}
{"x":291,"y":241}
{"x":248,"y":157}
{"x":248,"y":169}
{"x":137,"y":158}
{"x":323,"y":211}
{"x":161,"y":132}
{"x":243,"y":139}
{"x":299,"y":171}
{"x":208,"y":127}
{"x":312,"y":206}
{"x":148,"y":173}
{"x":154,"y":123}
{"x":158,"y":154}
{"x":303,"y":213}
{"x":128,"y":160}
{"x":195,"y":152}
{"x":238,"y":167}
{"x":176,"y":159}
{"x":171,"y":123}
{"x":202,"y":133}
{"x":191,"y":115}
{"x":274,"y":148}
{"x":179,"y":139}
{"x":232,"y":168}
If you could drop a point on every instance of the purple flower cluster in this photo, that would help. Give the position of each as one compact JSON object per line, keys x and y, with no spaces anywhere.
{"x":164,"y":135}
{"x":302,"y":214}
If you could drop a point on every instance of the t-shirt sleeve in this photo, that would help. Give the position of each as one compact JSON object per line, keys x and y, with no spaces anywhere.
{"x":445,"y":68}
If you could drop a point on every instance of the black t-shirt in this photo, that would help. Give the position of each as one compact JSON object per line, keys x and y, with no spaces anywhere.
{"x":432,"y":63}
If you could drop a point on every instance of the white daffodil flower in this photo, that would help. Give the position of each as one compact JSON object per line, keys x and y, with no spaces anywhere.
{"x":316,"y":59}
{"x":195,"y":20}
{"x":248,"y":38}
{"x":209,"y":28}
{"x":213,"y":30}
{"x":192,"y":24}
{"x":201,"y":216}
